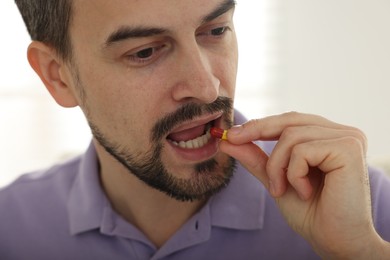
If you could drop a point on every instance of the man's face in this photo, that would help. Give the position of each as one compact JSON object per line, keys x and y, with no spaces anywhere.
{"x":153,"y":77}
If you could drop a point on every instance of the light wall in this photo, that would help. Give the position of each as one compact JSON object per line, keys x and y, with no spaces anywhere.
{"x":335,"y":61}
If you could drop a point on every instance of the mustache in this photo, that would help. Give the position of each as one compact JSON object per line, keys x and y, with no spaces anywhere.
{"x":188,"y":112}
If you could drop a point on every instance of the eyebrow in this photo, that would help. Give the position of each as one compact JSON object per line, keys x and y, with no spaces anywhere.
{"x":128,"y":32}
{"x":224,"y":7}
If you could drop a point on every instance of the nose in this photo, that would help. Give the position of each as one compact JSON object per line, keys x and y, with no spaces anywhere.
{"x":196,"y":81}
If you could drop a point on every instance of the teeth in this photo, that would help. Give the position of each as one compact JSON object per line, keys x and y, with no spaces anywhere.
{"x":195,"y":143}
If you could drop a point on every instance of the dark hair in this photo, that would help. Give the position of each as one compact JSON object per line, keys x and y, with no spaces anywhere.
{"x":48,"y":21}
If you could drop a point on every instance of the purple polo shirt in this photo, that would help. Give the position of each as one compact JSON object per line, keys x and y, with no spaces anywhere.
{"x":63,"y":213}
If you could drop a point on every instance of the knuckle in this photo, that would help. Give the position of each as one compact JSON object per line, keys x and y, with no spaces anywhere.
{"x":354,"y":142}
{"x":252,"y":123}
{"x":363,"y":137}
{"x":291,"y":114}
{"x":360,"y":137}
{"x":290,"y":132}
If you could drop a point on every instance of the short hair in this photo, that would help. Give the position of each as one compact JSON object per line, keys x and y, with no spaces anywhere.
{"x":48,"y":21}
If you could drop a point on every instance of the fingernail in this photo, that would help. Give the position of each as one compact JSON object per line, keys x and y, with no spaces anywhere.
{"x":235,"y":130}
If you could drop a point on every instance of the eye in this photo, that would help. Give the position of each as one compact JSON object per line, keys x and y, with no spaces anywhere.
{"x":218,"y":31}
{"x":215,"y":32}
{"x":145,"y":55}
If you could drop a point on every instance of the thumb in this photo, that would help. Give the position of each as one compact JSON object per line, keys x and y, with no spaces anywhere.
{"x":251,"y":156}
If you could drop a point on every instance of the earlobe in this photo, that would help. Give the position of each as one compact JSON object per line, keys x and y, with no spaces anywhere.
{"x":45,"y":62}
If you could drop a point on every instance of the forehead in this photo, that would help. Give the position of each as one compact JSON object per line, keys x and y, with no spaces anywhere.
{"x":97,"y":18}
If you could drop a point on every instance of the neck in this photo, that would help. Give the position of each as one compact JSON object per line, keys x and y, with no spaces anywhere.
{"x":156,"y":214}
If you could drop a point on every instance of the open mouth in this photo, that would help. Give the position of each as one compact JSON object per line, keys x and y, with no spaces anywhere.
{"x":192,"y":138}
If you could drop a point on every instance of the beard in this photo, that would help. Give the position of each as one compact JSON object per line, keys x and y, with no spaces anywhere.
{"x":209,"y":176}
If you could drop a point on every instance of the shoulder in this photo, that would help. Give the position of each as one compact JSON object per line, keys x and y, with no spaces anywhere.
{"x":379,"y":182}
{"x":380,"y":197}
{"x":35,"y":203}
{"x":34,"y":197}
{"x":35,"y":184}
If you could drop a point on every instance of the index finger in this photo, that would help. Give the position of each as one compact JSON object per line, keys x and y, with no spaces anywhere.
{"x":270,"y":128}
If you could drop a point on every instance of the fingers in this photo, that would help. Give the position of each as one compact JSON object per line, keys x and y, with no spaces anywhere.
{"x":304,"y":141}
{"x":271,"y":128}
{"x":294,"y":143}
{"x":328,"y":156}
{"x":316,"y":171}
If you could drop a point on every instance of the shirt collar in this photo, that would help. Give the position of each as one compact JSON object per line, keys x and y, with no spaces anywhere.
{"x":234,"y":207}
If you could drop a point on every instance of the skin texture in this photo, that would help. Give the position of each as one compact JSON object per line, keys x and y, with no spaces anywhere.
{"x":188,"y":55}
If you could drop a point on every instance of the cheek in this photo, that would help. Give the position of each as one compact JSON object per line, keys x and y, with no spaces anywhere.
{"x":121,"y":112}
{"x":124,"y":104}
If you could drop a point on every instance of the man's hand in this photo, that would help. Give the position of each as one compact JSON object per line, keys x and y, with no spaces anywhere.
{"x":318,"y":176}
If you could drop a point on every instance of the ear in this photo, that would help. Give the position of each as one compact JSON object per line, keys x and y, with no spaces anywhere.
{"x":52,"y":71}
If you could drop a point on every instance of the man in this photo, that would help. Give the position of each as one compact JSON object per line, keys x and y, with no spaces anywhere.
{"x":152,"y":78}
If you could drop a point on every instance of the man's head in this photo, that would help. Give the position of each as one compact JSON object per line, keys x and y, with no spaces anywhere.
{"x":151,"y":77}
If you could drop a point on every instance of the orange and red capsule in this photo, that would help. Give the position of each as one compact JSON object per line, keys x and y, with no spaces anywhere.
{"x":218,"y":133}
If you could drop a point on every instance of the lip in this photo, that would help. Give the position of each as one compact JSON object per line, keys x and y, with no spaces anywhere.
{"x":197,"y":122}
{"x":196,"y":154}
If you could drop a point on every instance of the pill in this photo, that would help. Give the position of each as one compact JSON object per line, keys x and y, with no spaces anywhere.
{"x":218,"y":133}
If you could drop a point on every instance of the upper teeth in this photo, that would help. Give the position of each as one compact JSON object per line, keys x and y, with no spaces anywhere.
{"x":194,"y":143}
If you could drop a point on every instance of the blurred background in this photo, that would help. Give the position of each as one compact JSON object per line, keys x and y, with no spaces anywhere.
{"x":328,"y":57}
